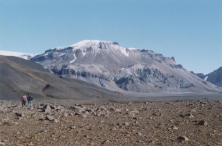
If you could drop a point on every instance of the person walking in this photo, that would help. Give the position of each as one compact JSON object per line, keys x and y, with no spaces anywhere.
{"x":24,"y":100}
{"x":30,"y":99}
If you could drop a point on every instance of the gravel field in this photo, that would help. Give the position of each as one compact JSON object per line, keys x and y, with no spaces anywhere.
{"x":66,"y":123}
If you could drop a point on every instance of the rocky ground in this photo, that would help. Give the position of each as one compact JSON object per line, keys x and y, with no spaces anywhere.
{"x":168,"y":123}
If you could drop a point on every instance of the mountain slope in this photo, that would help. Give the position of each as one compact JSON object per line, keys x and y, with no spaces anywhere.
{"x":214,"y":77}
{"x":200,"y":75}
{"x":16,"y":54}
{"x":18,"y":76}
{"x":111,"y":66}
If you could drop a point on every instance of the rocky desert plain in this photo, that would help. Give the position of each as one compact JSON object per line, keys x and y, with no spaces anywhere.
{"x":122,"y":123}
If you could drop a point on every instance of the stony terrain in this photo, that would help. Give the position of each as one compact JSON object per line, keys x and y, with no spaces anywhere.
{"x":60,"y":123}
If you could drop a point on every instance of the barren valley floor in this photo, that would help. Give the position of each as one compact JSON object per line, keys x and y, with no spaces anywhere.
{"x":66,"y":123}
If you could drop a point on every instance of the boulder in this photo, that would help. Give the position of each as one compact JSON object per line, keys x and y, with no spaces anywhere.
{"x":49,"y":117}
{"x":188,"y":116}
{"x":59,"y":108}
{"x":47,"y":109}
{"x":19,"y":114}
{"x":65,"y":115}
{"x":182,"y":138}
{"x":202,"y":122}
{"x":174,"y":128}
{"x":2,"y":109}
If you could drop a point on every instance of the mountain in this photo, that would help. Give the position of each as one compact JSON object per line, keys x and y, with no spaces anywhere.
{"x":16,"y":54}
{"x":18,"y":76}
{"x":214,"y":77}
{"x":117,"y":68}
{"x":200,"y":75}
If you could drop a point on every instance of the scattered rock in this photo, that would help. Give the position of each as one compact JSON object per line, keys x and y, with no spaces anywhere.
{"x":116,"y":110}
{"x":193,"y":110}
{"x":41,"y":118}
{"x":202,"y":122}
{"x":52,"y":107}
{"x":71,"y":114}
{"x":134,"y":111}
{"x":16,"y":123}
{"x":2,"y":109}
{"x":83,"y":115}
{"x":19,"y":114}
{"x":30,"y":144}
{"x":47,"y":109}
{"x":174,"y":128}
{"x":188,"y":116}
{"x":157,"y":114}
{"x":65,"y":115}
{"x":126,"y":124}
{"x":56,"y":121}
{"x":2,"y":144}
{"x":113,"y":124}
{"x":113,"y":129}
{"x":151,"y":118}
{"x":59,"y":108}
{"x":72,"y":127}
{"x":49,"y":117}
{"x":182,"y":138}
{"x":139,"y":133}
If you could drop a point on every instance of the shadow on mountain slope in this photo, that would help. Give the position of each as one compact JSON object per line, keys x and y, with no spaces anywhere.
{"x":18,"y":76}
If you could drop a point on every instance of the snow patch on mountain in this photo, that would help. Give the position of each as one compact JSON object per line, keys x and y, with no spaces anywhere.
{"x":205,"y":79}
{"x":124,"y":51}
{"x":95,"y":45}
{"x":73,"y":59}
{"x":17,"y":54}
{"x":88,"y":43}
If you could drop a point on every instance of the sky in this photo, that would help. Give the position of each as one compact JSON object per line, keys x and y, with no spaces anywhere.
{"x":189,"y":30}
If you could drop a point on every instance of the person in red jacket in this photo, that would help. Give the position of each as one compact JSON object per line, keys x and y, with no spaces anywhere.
{"x":24,"y":100}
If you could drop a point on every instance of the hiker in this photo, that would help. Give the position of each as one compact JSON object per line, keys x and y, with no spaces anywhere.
{"x":30,"y":99}
{"x":24,"y":100}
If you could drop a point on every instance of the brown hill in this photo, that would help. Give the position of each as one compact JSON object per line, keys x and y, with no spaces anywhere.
{"x":18,"y":76}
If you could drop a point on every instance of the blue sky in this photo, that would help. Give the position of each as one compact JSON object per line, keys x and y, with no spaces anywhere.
{"x":189,"y":30}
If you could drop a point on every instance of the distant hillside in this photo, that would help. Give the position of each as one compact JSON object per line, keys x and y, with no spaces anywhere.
{"x":18,"y":76}
{"x":16,"y":54}
{"x":214,"y":77}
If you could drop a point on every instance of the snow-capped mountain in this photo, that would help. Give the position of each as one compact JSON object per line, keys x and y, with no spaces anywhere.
{"x":109,"y":65}
{"x":214,"y":77}
{"x":16,"y":54}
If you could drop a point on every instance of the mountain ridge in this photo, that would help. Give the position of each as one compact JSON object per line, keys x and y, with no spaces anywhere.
{"x":215,"y":77}
{"x":117,"y":68}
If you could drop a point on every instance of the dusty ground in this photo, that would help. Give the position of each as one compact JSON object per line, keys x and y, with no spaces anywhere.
{"x":168,"y":123}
